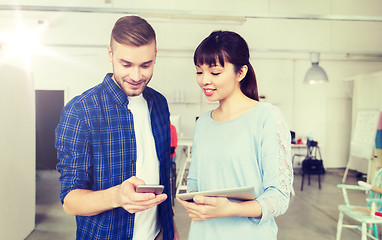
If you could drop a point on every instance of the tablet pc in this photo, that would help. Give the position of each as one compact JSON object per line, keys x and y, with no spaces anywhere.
{"x":240,"y":193}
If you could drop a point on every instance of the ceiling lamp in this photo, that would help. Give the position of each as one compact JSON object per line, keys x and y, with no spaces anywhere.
{"x":315,"y":74}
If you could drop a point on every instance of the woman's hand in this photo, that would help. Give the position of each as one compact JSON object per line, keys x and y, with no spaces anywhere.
{"x":204,"y":208}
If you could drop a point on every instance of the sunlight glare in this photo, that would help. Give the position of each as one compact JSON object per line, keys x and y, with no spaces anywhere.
{"x":23,"y":44}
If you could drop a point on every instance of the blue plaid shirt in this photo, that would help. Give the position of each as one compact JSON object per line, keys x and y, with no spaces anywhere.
{"x":95,"y":143}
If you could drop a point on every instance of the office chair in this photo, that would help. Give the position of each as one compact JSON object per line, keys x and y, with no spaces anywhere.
{"x":312,"y":164}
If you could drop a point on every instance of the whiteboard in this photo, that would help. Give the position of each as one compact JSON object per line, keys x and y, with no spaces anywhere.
{"x":363,"y":137}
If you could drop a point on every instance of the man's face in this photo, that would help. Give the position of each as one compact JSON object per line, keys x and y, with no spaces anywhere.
{"x":132,"y":66}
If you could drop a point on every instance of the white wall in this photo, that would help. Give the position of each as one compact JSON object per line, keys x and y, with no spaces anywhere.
{"x":279,"y":53}
{"x":17,"y":147}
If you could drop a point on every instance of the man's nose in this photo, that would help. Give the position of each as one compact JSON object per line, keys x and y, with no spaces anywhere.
{"x":135,"y":74}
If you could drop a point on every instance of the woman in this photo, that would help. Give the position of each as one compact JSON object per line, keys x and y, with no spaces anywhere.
{"x":243,"y":142}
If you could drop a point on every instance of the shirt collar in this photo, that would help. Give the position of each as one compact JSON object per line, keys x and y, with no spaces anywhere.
{"x":118,"y":95}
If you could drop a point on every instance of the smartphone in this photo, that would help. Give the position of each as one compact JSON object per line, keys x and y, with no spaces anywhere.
{"x":150,"y":188}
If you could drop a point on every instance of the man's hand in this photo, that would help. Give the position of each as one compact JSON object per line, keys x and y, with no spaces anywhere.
{"x":134,"y":202}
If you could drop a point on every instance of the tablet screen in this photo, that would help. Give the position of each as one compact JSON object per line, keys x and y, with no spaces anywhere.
{"x":240,"y":193}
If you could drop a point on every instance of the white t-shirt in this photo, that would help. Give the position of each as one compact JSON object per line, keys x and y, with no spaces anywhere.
{"x":146,"y":224}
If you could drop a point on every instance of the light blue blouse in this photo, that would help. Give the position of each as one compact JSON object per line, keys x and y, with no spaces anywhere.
{"x":251,"y":150}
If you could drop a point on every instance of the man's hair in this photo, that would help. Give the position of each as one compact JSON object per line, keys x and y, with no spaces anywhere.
{"x":133,"y":31}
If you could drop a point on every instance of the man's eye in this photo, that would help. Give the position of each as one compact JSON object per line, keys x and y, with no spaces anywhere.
{"x":126,"y":65}
{"x":145,"y":66}
{"x":198,"y":73}
{"x":215,"y":74}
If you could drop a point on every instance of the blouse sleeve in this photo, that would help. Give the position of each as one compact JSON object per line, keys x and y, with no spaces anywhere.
{"x":277,"y":167}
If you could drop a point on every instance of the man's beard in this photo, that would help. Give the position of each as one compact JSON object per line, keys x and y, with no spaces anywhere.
{"x":131,"y":91}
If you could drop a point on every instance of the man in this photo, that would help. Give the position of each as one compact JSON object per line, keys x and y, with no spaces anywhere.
{"x":114,"y":137}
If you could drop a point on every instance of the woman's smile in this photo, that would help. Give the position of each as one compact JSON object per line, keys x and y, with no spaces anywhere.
{"x":208,"y":91}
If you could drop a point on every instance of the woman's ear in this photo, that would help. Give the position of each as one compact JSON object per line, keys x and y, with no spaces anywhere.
{"x":242,"y":73}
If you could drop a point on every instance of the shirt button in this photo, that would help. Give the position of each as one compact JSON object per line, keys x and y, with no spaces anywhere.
{"x":133,"y":161}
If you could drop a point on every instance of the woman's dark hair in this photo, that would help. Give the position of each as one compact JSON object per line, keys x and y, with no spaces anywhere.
{"x":226,"y":46}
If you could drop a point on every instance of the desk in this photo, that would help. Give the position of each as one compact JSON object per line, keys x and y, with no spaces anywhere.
{"x":186,"y":145}
{"x":298,"y":145}
{"x":299,"y":150}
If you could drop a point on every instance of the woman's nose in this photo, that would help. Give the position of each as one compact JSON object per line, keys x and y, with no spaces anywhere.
{"x":205,"y":79}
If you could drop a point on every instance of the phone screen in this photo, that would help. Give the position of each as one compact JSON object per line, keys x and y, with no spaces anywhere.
{"x":150,"y":188}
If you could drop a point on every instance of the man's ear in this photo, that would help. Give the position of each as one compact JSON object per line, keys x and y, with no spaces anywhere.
{"x":110,"y":53}
{"x":243,"y":72}
{"x":155,"y":59}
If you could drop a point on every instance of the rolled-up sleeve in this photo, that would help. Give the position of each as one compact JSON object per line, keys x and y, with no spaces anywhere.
{"x":72,"y":152}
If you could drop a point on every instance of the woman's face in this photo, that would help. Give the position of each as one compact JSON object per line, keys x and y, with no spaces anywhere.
{"x":218,"y":83}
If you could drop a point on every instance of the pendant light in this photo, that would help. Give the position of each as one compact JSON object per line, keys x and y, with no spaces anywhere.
{"x":315,"y":74}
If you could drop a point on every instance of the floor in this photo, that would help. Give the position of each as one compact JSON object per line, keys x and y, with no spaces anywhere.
{"x":312,"y":213}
